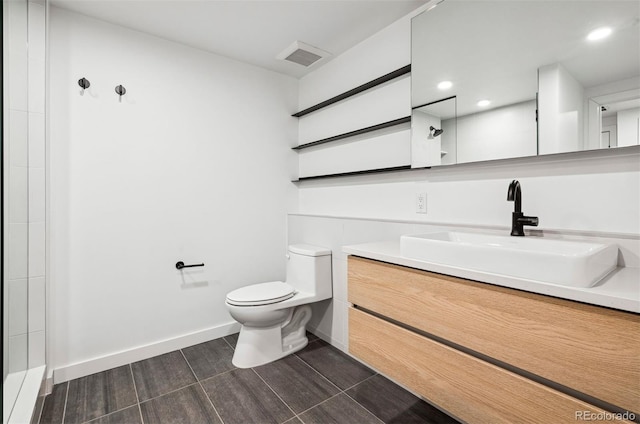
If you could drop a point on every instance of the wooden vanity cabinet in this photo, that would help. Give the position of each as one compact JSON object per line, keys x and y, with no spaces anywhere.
{"x":485,"y":353}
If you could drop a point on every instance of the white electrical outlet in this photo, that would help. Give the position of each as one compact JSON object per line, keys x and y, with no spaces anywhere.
{"x":421,"y":203}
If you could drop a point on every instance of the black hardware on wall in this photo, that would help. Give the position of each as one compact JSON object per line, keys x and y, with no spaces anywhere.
{"x":84,"y":83}
{"x":120,"y":90}
{"x":380,"y":80}
{"x":377,"y":127}
{"x":373,"y":83}
{"x":180,"y":265}
{"x":434,"y":102}
{"x":364,"y":172}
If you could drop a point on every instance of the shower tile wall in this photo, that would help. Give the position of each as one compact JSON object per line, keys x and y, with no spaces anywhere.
{"x":16,"y":180}
{"x":26,"y":191}
{"x":37,"y":179}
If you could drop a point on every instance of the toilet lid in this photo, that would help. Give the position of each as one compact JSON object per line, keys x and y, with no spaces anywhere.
{"x":261,"y":294}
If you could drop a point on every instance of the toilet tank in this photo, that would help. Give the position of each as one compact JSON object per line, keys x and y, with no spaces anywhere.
{"x":309,"y":270}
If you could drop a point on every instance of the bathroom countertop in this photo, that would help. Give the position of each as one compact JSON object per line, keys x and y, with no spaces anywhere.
{"x":619,"y":290}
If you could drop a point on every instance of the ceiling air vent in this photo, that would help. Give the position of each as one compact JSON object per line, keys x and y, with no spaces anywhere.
{"x":302,"y":54}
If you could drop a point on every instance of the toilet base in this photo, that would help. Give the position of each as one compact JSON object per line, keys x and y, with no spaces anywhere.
{"x":261,"y":345}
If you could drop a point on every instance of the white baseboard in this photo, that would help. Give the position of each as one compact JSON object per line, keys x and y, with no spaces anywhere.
{"x":327,"y":338}
{"x":47,"y":386}
{"x":139,"y":353}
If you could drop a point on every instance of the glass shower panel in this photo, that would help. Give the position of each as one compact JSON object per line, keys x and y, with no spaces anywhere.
{"x":15,"y":199}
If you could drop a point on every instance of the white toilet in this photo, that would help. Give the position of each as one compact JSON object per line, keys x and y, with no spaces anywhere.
{"x":274,"y":315}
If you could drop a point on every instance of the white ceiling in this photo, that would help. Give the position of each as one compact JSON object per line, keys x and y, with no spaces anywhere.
{"x":252,"y":31}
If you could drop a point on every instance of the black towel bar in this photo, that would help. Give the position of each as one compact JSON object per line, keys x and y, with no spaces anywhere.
{"x":180,"y":265}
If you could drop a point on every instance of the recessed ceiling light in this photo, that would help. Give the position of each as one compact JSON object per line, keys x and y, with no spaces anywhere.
{"x":599,"y":34}
{"x":484,"y":103}
{"x":445,"y":85}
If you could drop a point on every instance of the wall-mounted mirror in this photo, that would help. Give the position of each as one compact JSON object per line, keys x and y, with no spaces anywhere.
{"x":529,"y":77}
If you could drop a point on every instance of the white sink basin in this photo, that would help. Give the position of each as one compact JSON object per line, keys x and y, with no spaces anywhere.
{"x":567,"y":263}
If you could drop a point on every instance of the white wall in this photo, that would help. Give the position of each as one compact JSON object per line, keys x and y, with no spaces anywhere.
{"x":628,"y":127}
{"x":560,"y":111}
{"x":193,"y":164}
{"x":505,"y":132}
{"x":449,"y":143}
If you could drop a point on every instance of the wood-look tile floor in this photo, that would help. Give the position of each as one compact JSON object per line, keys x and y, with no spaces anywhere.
{"x":199,"y":385}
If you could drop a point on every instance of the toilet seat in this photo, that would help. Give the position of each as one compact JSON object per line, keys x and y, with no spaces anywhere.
{"x":261,"y":294}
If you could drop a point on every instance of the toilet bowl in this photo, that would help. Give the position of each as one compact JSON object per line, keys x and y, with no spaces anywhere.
{"x":274,"y":315}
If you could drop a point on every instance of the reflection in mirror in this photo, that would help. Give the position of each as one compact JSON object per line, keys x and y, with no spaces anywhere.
{"x":616,"y":118}
{"x":433,"y":134}
{"x":595,"y":74}
{"x":504,"y":132}
{"x":500,"y":133}
{"x":503,"y":60}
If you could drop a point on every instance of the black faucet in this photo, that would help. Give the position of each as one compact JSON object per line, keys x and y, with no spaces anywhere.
{"x":518,"y":219}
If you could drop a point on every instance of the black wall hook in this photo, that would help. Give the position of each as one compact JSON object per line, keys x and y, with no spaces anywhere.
{"x":120,"y":90}
{"x":84,"y":83}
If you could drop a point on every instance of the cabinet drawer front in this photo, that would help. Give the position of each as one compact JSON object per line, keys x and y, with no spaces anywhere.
{"x":590,"y":349}
{"x":470,"y":389}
